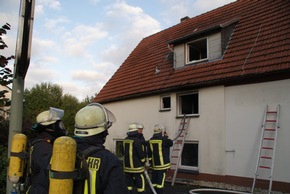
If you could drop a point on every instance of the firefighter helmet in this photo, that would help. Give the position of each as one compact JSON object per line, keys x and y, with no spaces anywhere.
{"x":93,"y":119}
{"x":133,"y":127}
{"x":158,"y":128}
{"x":50,"y":120}
{"x":140,"y":126}
{"x":49,"y":116}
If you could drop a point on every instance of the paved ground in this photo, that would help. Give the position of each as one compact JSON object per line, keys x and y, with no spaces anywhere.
{"x":176,"y":189}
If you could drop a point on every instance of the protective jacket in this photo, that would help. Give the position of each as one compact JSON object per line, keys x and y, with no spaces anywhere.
{"x":40,"y":155}
{"x":106,"y":172}
{"x":158,"y":152}
{"x":134,"y":153}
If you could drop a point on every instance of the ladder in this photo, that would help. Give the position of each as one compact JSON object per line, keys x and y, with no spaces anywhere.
{"x":265,"y":161}
{"x":178,"y":146}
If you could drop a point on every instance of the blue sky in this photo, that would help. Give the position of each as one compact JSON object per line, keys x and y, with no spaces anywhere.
{"x":80,"y":44}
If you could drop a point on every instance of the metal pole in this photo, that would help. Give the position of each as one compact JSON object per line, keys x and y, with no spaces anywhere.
{"x":15,"y":125}
{"x":22,"y":59}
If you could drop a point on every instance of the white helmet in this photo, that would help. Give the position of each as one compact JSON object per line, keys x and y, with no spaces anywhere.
{"x":140,"y":126}
{"x":93,"y":119}
{"x":50,"y":116}
{"x":158,"y":128}
{"x":133,"y":127}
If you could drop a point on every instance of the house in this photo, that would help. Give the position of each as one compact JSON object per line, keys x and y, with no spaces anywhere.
{"x":222,"y":69}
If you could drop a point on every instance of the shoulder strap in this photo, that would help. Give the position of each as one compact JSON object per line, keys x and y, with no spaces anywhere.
{"x":27,"y":170}
{"x":91,"y":150}
{"x":83,"y":170}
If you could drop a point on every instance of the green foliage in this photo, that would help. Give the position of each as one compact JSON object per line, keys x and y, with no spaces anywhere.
{"x":70,"y":105}
{"x":5,"y":73}
{"x":3,"y":168}
{"x":45,"y":95}
{"x":6,"y":78}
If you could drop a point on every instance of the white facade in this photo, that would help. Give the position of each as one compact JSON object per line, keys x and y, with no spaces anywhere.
{"x":227,"y":129}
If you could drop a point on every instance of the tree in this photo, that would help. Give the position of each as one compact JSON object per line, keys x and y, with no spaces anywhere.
{"x":42,"y":96}
{"x":5,"y":73}
{"x":70,"y":105}
{"x":5,"y":79}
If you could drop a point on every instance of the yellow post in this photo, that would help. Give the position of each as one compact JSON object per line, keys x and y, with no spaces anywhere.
{"x":63,"y":160}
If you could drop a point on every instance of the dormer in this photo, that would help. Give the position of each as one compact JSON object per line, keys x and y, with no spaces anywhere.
{"x":202,"y":46}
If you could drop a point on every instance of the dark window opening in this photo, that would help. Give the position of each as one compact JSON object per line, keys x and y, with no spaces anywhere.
{"x":197,"y":50}
{"x":189,"y":104}
{"x":189,"y":155}
{"x":166,"y":104}
{"x":119,"y":148}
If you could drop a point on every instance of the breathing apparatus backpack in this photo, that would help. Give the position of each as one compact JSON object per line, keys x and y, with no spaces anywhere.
{"x":69,"y":169}
{"x":19,"y":171}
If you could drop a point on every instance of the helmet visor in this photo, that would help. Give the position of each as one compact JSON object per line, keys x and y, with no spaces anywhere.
{"x":55,"y":114}
{"x":110,"y":118}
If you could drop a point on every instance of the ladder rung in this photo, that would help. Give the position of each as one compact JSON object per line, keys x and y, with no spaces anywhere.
{"x":270,"y":129}
{"x":270,"y":120}
{"x":266,"y":157}
{"x":174,"y":156}
{"x":272,"y":112}
{"x":176,"y":150}
{"x":266,"y":138}
{"x":265,"y":167}
{"x":267,"y":148}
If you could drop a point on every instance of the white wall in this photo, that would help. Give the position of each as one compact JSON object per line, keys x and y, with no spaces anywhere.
{"x":244,"y":112}
{"x":227,"y":129}
{"x":207,"y":129}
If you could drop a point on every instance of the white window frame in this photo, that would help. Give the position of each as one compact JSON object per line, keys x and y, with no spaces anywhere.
{"x":188,"y":51}
{"x":179,"y":107}
{"x":186,"y":167}
{"x":162,"y":108}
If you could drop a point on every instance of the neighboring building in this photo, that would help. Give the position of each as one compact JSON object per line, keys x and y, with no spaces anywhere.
{"x":222,"y":69}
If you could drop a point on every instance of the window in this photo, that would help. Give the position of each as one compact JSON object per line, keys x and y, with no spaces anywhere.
{"x":165,"y":103}
{"x":188,"y":104}
{"x":189,"y":156}
{"x":196,"y":50}
{"x":119,"y":148}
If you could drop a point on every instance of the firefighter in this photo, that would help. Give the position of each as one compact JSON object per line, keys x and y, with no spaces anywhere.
{"x":105,"y":169}
{"x":134,"y":159}
{"x":48,"y":127}
{"x":140,"y":128}
{"x":158,"y":156}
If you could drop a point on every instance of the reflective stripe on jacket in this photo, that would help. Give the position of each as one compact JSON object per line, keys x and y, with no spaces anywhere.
{"x":158,"y":152}
{"x":134,"y":156}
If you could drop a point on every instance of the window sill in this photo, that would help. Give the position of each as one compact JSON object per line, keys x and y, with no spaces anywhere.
{"x":189,"y":115}
{"x":196,"y":62}
{"x":188,"y":171}
{"x":165,"y":110}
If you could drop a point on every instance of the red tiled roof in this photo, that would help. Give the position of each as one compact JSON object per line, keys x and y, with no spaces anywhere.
{"x":259,"y":47}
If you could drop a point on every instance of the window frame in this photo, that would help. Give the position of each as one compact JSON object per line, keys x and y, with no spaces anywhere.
{"x":179,"y":104}
{"x":115,"y":148}
{"x":186,"y":167}
{"x":162,"y":108}
{"x":187,"y":51}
